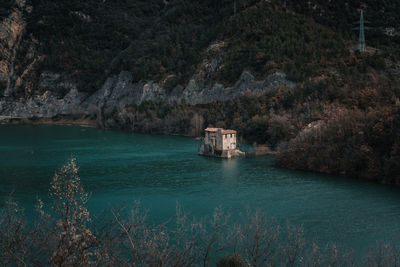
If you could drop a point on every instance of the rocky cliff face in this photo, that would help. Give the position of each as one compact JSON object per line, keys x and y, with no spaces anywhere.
{"x":11,"y":32}
{"x":19,"y":55}
{"x":28,"y":91}
{"x":54,"y":94}
{"x":120,"y":91}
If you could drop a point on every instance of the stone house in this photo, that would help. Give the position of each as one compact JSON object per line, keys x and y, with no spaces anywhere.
{"x":220,"y":139}
{"x":220,"y":143}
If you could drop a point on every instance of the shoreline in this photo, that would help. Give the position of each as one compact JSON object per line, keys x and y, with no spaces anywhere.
{"x":260,"y":150}
{"x":86,"y":122}
{"x":60,"y":121}
{"x":65,"y":120}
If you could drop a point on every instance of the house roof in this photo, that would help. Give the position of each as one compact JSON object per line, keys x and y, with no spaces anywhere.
{"x":228,"y":132}
{"x":223,"y":131}
{"x":211,"y":129}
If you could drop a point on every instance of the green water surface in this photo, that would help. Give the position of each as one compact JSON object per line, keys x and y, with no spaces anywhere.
{"x":119,"y":168}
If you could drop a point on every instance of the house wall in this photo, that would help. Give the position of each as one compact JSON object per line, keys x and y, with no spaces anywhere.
{"x":207,"y":138}
{"x":229,"y":141}
{"x":210,"y":138}
{"x":220,"y":141}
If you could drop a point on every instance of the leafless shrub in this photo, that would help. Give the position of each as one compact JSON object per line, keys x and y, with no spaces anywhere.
{"x":63,"y":236}
{"x":210,"y":236}
{"x":260,"y":241}
{"x":313,"y":258}
{"x":13,"y":241}
{"x":383,"y":255}
{"x":184,"y":252}
{"x":71,"y":242}
{"x":334,"y":257}
{"x":295,"y":244}
{"x":137,"y":242}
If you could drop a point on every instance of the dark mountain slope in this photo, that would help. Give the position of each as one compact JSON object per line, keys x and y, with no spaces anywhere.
{"x":341,"y":116}
{"x":5,"y":8}
{"x":89,"y":40}
{"x":383,"y":18}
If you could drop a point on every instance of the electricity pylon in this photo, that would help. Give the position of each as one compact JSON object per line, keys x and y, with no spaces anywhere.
{"x":361,"y":39}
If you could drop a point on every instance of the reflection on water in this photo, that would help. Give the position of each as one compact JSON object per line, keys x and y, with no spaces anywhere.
{"x":230,"y":169}
{"x":119,"y":168}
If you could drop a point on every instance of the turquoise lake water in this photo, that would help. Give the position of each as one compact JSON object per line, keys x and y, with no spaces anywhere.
{"x":159,"y":171}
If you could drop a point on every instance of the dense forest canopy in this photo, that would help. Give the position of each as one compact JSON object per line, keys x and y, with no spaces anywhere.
{"x":155,"y":38}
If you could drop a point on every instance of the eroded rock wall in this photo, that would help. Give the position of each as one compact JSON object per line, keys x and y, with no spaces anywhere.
{"x":11,"y":31}
{"x":120,"y":91}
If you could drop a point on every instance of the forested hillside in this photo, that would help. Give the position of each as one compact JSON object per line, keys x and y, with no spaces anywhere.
{"x":153,"y":39}
{"x":342,"y":116}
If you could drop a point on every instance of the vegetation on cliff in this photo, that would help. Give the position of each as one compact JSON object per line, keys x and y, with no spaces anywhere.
{"x":87,"y":41}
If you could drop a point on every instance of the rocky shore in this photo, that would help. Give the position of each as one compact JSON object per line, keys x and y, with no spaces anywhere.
{"x":209,"y":151}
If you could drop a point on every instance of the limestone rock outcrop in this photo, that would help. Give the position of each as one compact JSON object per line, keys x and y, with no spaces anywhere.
{"x":11,"y":32}
{"x":120,"y":90}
